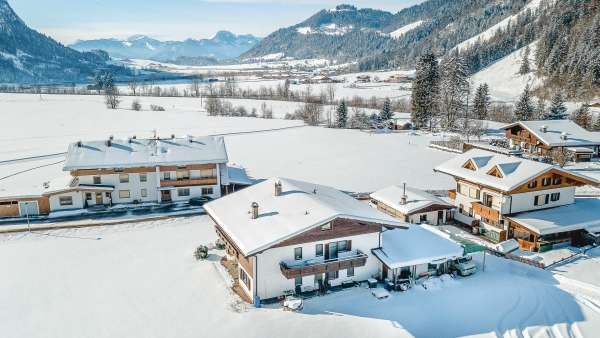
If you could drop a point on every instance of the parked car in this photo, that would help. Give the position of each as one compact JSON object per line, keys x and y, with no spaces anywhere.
{"x":200,"y":200}
{"x":463,"y":265}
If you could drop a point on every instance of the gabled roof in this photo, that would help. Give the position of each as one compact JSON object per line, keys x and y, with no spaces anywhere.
{"x":420,"y":244}
{"x":583,"y":214}
{"x":515,"y":171}
{"x":300,"y":207}
{"x":415,"y":199}
{"x":576,"y":136}
{"x":145,"y":153}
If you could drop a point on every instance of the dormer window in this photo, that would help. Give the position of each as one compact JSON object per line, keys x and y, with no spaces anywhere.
{"x":495,"y":171}
{"x":470,"y":165}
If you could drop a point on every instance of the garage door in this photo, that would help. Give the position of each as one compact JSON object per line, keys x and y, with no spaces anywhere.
{"x":28,"y":208}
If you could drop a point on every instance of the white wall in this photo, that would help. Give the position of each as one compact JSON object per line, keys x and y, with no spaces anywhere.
{"x":271,"y":282}
{"x":525,"y":201}
{"x":432,"y":217}
{"x":76,"y":196}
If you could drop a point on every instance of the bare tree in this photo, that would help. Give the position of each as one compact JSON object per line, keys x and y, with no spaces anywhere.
{"x":214,"y":106}
{"x":310,"y":113}
{"x":561,"y":156}
{"x":195,"y":86}
{"x":331,"y":90}
{"x":133,"y":84}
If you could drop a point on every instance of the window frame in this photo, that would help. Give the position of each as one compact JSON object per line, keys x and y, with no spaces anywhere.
{"x":123,"y":178}
{"x":553,"y":195}
{"x":121,"y":194}
{"x":546,"y":179}
{"x":557,"y":180}
{"x":298,"y":253}
{"x":186,"y":192}
{"x":317,"y":250}
{"x":65,"y":201}
{"x":97,"y":179}
{"x":350,"y":272}
{"x":208,"y":191}
{"x":327,"y":226}
{"x":143,"y":192}
{"x":143,"y":177}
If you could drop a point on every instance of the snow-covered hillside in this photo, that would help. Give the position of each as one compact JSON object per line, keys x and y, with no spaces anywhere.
{"x":503,"y":78}
{"x":487,"y":34}
{"x":405,"y":29}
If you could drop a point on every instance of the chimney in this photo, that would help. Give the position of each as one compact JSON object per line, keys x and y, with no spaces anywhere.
{"x":544,"y":129}
{"x":564,"y":136}
{"x":134,"y":137}
{"x":403,"y":198}
{"x":111,"y":137}
{"x":172,"y":136}
{"x":254,"y":210}
{"x":109,"y":143}
{"x":79,"y":144}
{"x":278,"y":188}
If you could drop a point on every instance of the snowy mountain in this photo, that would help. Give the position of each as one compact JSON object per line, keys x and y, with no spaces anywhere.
{"x":224,"y":45}
{"x":27,"y":56}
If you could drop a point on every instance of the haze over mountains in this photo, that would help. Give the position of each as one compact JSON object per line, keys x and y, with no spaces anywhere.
{"x":224,"y":45}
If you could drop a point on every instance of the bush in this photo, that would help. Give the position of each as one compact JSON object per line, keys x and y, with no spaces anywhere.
{"x":156,"y":108}
{"x":136,"y":105}
{"x":219,"y":244}
{"x":201,"y":252}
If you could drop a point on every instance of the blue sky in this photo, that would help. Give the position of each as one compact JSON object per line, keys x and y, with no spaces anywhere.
{"x":69,"y":20}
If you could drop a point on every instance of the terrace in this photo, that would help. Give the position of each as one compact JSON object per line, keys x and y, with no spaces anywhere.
{"x":308,"y":267}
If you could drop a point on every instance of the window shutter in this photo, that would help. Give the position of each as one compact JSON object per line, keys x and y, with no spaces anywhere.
{"x":535,"y":200}
{"x":547,"y":196}
{"x":349,"y":245}
{"x":326,"y":251}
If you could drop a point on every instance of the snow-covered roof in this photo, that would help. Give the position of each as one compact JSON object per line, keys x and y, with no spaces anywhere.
{"x":300,"y":207}
{"x":576,"y":136}
{"x":420,"y":244}
{"x":145,"y":153}
{"x":583,"y":214}
{"x":515,"y":171}
{"x":415,"y":199}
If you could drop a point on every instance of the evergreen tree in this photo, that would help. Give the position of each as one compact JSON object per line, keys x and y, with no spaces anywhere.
{"x":524,"y":108}
{"x":525,"y":67}
{"x":583,"y":117}
{"x":454,"y":91}
{"x":482,"y":102}
{"x":540,"y":109}
{"x":386,"y":112}
{"x":342,"y":115}
{"x":557,"y":110}
{"x":425,"y":91}
{"x":596,"y":126}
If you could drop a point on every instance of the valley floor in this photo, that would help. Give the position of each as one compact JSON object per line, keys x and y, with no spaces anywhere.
{"x":141,"y":280}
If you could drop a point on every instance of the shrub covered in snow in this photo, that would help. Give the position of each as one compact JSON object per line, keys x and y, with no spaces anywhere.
{"x":201,"y":252}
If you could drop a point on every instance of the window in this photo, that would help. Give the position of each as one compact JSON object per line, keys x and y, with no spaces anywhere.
{"x":540,"y":200}
{"x":207,"y":191}
{"x":88,"y":196}
{"x":298,"y":254}
{"x":166,"y":176}
{"x":183,"y":192}
{"x":326,"y":226}
{"x":532,"y":185}
{"x":474,"y":193}
{"x":183,"y":175}
{"x":319,"y":250}
{"x":343,"y":246}
{"x":555,"y":197}
{"x":423,"y":218}
{"x":144,"y":193}
{"x":244,"y":278}
{"x":97,"y":180}
{"x":546,"y":181}
{"x":124,"y":178}
{"x":332,"y":275}
{"x":208,"y":173}
{"x":107,"y":194}
{"x":143,"y":178}
{"x":65,"y":200}
{"x":350,"y":272}
{"x":298,"y":281}
{"x":124,"y":194}
{"x":557,"y":180}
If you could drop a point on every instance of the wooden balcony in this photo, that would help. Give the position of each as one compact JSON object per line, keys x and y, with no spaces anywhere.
{"x":188,"y":182}
{"x":486,"y":212}
{"x":309,"y":267}
{"x":452,"y":194}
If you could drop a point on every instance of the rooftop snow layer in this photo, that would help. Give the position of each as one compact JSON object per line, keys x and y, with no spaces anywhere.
{"x":576,"y":136}
{"x":300,"y":207}
{"x":420,"y":244}
{"x":583,"y":214}
{"x":145,"y":153}
{"x":415,"y":199}
{"x":516,"y":171}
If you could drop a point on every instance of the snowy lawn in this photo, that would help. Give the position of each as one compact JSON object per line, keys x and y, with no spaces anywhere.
{"x":140,"y":280}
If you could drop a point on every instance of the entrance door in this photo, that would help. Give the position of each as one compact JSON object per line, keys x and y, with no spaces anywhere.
{"x":440,"y":218}
{"x":29,"y":208}
{"x":165,"y":195}
{"x":99,"y":200}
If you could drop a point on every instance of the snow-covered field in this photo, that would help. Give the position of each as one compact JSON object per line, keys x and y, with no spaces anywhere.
{"x":346,"y":159}
{"x":142,"y":281}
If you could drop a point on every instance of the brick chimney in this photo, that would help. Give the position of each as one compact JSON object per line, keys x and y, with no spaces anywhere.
{"x":254,"y":210}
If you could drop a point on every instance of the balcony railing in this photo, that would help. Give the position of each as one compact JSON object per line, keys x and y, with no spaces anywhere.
{"x":308,"y":267}
{"x":188,"y":182}
{"x":486,"y":212}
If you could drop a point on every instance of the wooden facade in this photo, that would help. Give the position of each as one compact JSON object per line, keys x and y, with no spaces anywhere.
{"x":140,"y":170}
{"x":188,"y":182}
{"x":290,"y":272}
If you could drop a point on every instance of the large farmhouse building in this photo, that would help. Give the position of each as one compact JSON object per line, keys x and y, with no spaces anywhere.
{"x":131,"y":171}
{"x":540,"y":137}
{"x":494,"y":191}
